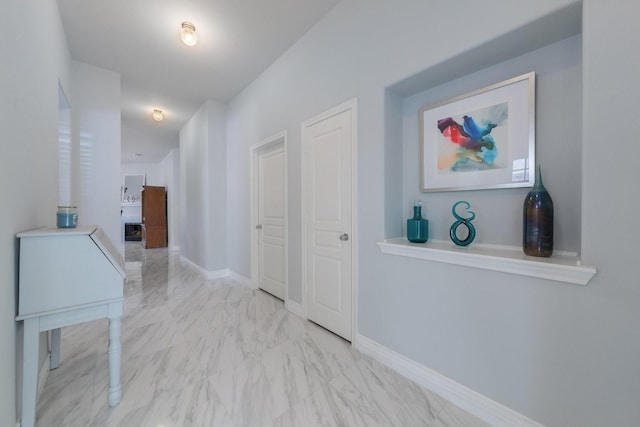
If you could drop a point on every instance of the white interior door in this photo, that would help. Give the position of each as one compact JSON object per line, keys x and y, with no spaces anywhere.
{"x":271,"y":220}
{"x":328,"y":221}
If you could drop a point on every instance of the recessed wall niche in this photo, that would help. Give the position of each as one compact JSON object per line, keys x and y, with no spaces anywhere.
{"x":551,"y":47}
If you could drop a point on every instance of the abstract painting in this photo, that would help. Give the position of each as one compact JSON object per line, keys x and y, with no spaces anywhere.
{"x":480,"y":140}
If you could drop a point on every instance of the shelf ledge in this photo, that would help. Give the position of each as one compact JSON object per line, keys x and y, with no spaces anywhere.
{"x":561,"y":267}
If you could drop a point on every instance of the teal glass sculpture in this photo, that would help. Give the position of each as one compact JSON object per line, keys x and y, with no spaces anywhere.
{"x":471,"y":230}
{"x":417,"y":227}
{"x":537,"y":220}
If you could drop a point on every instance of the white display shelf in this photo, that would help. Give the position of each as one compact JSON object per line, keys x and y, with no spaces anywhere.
{"x":562,"y":266}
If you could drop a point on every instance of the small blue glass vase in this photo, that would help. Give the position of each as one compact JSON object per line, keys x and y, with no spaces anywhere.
{"x":417,"y":227}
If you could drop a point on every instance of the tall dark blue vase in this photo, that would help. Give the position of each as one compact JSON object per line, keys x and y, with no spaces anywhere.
{"x":537,"y":221}
{"x":417,"y":227}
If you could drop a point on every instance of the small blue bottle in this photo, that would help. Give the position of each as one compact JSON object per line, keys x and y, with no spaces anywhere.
{"x":417,"y":227}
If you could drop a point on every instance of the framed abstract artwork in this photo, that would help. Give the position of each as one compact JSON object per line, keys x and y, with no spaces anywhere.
{"x":481,"y":140}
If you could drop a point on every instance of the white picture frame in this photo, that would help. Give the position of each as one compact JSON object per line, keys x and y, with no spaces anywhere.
{"x":481,"y":140}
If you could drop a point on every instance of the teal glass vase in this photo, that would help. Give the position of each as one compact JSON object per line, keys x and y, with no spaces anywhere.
{"x":537,"y":221}
{"x":417,"y":227}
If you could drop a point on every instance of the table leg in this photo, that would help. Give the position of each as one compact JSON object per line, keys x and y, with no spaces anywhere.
{"x":30,"y":371}
{"x":55,"y":348}
{"x":115,"y":350}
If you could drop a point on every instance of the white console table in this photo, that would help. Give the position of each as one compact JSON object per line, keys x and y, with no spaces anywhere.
{"x":67,"y":276}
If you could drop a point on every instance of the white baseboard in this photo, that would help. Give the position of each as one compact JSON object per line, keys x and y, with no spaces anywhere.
{"x":211,"y":275}
{"x":173,"y":249}
{"x":294,"y":307}
{"x":217,"y":274}
{"x":192,"y":264}
{"x":243,"y":280}
{"x":490,"y":411}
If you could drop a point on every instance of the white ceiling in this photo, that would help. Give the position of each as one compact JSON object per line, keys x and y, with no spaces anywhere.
{"x":237,"y":40}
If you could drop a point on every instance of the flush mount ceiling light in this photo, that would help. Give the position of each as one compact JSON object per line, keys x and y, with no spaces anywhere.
{"x":157,"y":115}
{"x":188,"y":34}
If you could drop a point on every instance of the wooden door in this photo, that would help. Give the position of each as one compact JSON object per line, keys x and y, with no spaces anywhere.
{"x":154,"y":217}
{"x":328,"y":221}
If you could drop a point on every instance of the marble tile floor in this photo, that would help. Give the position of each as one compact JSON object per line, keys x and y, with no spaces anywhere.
{"x":200,"y":352}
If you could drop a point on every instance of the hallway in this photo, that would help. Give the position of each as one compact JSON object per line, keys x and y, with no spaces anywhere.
{"x":214,"y":353}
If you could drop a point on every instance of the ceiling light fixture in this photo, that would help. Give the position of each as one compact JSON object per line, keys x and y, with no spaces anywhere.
{"x":188,"y":34}
{"x":157,"y":115}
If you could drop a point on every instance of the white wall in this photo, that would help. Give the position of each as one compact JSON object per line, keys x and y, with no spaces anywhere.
{"x":34,"y":58}
{"x":169,"y":170}
{"x":95,"y":112}
{"x":203,"y":188}
{"x":194,"y":207}
{"x":162,"y":174}
{"x":600,"y":326}
{"x":558,"y":79}
{"x":355,"y":51}
{"x":563,"y":355}
{"x":152,"y":172}
{"x":32,"y":67}
{"x":217,"y":195}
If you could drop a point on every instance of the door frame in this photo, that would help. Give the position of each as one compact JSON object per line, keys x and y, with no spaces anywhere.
{"x":279,"y":138}
{"x":352,"y":105}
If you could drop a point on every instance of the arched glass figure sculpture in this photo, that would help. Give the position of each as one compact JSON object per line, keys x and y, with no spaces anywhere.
{"x":462,"y":221}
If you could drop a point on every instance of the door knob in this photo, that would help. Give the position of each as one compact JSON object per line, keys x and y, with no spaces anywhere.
{"x":344,"y":237}
{"x":259,"y":227}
